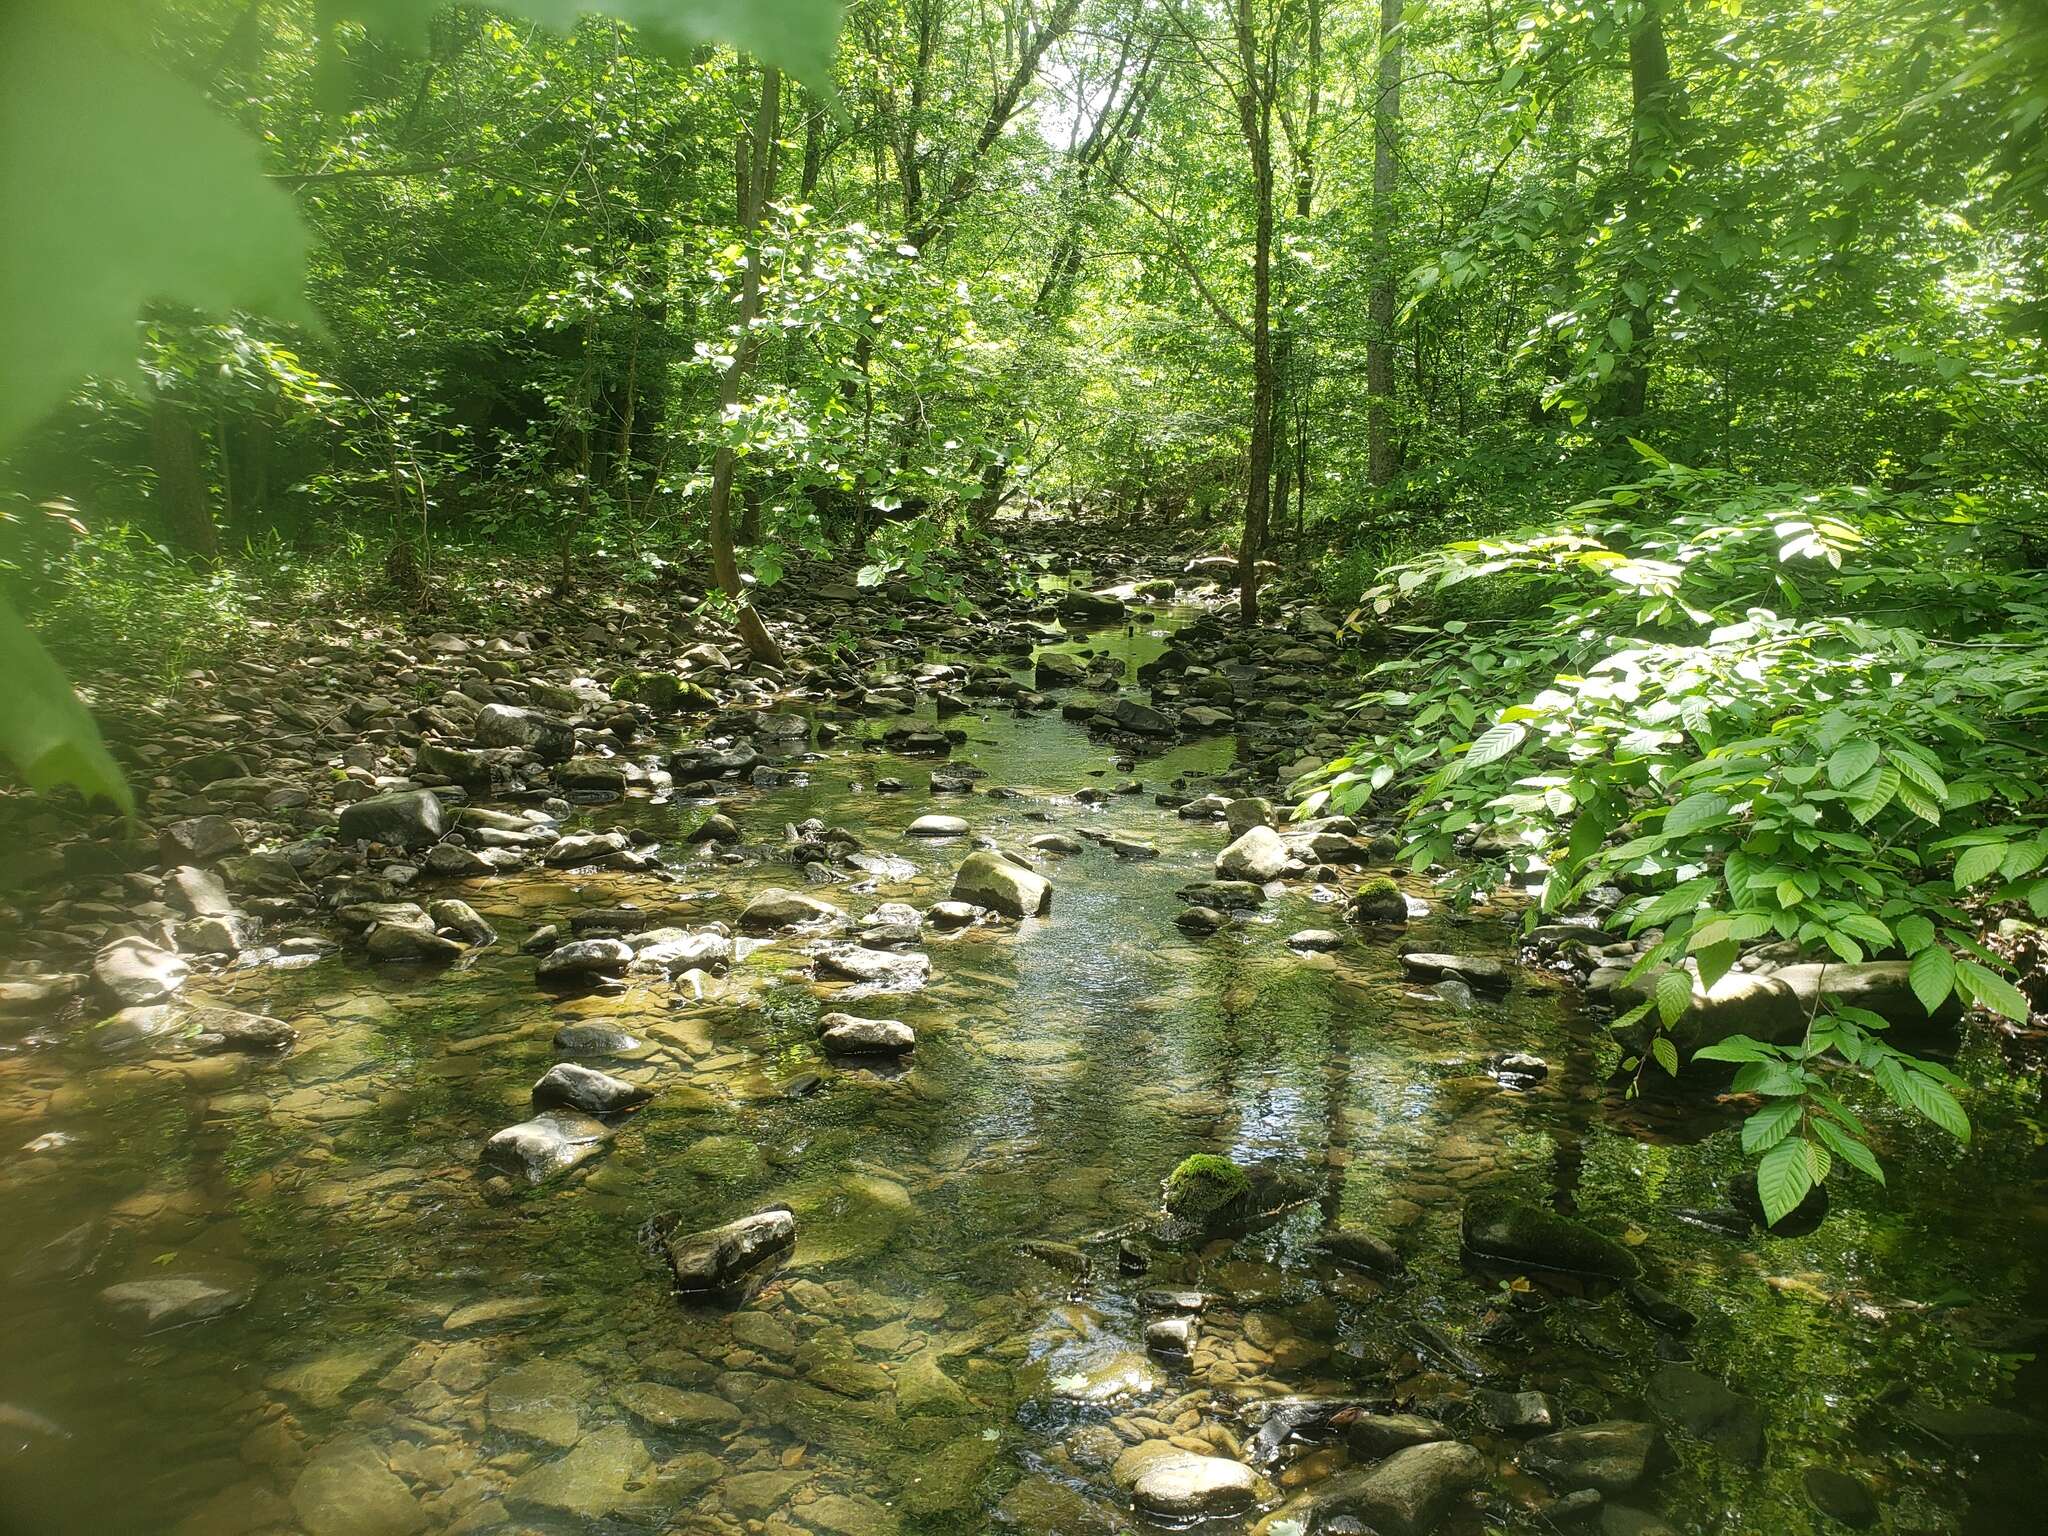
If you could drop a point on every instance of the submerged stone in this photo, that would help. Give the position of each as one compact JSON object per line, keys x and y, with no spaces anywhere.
{"x":718,"y":1258}
{"x":1496,"y":1227}
{"x":1612,"y":1456}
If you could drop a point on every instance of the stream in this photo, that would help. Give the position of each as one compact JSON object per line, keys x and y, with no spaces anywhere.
{"x":409,"y":1347}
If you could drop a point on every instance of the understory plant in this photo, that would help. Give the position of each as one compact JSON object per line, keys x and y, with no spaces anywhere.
{"x":1747,"y":714}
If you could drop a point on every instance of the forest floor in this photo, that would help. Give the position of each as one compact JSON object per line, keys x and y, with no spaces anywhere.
{"x":376,"y":1105}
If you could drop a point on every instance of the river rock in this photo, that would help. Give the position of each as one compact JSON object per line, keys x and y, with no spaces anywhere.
{"x":887,"y":969}
{"x":1258,"y":856}
{"x":989,"y":879}
{"x":1680,"y":1397}
{"x":1354,"y":1245}
{"x":1776,"y":1003}
{"x":937,"y":826}
{"x":198,"y":840}
{"x":406,"y":818}
{"x":843,"y":1034}
{"x":676,"y":950}
{"x":1140,"y":719}
{"x":597,"y":1040}
{"x":1519,"y":1413}
{"x":1201,"y":921}
{"x":547,"y":1145}
{"x":347,"y":1490}
{"x":462,"y":920}
{"x":1496,"y":1227}
{"x":229,"y":1029}
{"x":566,"y":1085}
{"x":171,"y":1301}
{"x":1839,"y":1496}
{"x":409,"y":942}
{"x":1477,"y":971}
{"x":541,"y":1399}
{"x":1612,"y":1456}
{"x":1408,"y":1493}
{"x":134,"y":972}
{"x":1185,"y":1486}
{"x":718,"y":1257}
{"x":507,"y":725}
{"x":1058,"y":669}
{"x":606,"y":1474}
{"x":1382,"y":1434}
{"x":581,"y":959}
{"x":778,"y":908}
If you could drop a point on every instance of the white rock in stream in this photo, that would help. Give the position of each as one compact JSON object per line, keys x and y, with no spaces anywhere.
{"x":1258,"y":856}
{"x":1002,"y":884}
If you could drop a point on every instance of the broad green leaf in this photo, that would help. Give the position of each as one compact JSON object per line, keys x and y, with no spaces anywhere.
{"x":122,"y":187}
{"x":1986,"y":986}
{"x":1933,"y":975}
{"x":44,"y":730}
{"x":1851,"y":762}
{"x":1674,"y":995}
{"x":1495,"y":744}
{"x":1694,"y":812}
{"x":1937,"y":1104}
{"x":1849,"y":1149}
{"x":1736,"y":1048}
{"x":1665,"y":1054}
{"x":1783,"y":1178}
{"x":794,"y":35}
{"x":1978,"y":863}
{"x":1917,"y":772}
{"x":1716,"y":960}
{"x":1915,"y":932}
{"x":1770,"y":1125}
{"x":1873,"y":793}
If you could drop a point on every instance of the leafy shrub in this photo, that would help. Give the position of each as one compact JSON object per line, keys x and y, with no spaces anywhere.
{"x":1768,"y":713}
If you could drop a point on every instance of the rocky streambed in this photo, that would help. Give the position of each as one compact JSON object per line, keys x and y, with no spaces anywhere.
{"x":358,"y":1128}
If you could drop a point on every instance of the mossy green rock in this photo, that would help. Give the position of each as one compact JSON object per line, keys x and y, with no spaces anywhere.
{"x":1499,"y":1228}
{"x":1379,"y":900}
{"x":1204,"y":1185}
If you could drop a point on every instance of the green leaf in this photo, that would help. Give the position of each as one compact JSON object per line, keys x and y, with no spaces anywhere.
{"x":1873,"y":793}
{"x":1867,"y":929}
{"x":1737,"y":1048}
{"x":1986,"y":986}
{"x":1933,"y":975}
{"x":1495,"y":744}
{"x":1851,"y":762}
{"x":1770,"y":1125}
{"x":1665,"y":1053}
{"x":1978,"y":863}
{"x":44,"y":730}
{"x":1783,"y":1178}
{"x":1849,"y":1149}
{"x":1915,"y":932}
{"x":1917,"y":772}
{"x":1674,"y":995}
{"x":1937,"y":1104}
{"x":123,"y":187}
{"x":796,"y":35}
{"x":1694,"y":812}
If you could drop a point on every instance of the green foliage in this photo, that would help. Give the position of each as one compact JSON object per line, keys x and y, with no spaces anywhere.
{"x":1721,"y":708}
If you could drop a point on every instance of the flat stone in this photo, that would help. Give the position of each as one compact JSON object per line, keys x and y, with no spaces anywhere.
{"x":171,"y":1301}
{"x":546,"y":1146}
{"x":1188,"y":1486}
{"x":667,"y":1407}
{"x":568,"y":1085}
{"x":541,"y":1400}
{"x":347,"y":1490}
{"x":1612,"y":1456}
{"x":845,"y":1035}
{"x":606,"y":1474}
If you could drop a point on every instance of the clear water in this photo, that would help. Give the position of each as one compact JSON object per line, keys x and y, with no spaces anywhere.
{"x":914,"y":1368}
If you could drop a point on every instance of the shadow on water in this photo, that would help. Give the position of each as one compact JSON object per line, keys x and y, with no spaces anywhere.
{"x":909,"y":1354}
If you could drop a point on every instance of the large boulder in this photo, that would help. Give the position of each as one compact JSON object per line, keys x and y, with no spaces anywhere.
{"x":1141,"y":719}
{"x":1777,"y":1003}
{"x":1612,"y":1456}
{"x":1405,"y":1495}
{"x":1257,"y":856}
{"x":1090,"y":607}
{"x":406,"y":818}
{"x":719,"y":1258}
{"x":1002,"y":884}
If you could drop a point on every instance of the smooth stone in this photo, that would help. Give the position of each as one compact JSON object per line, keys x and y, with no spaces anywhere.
{"x":1409,"y":1492}
{"x":937,"y":826}
{"x":541,"y":1400}
{"x":134,"y":972}
{"x":1496,"y":1227}
{"x":1258,"y":856}
{"x":667,"y":1407}
{"x":171,"y":1301}
{"x":570,"y":1086}
{"x":1613,"y":1455}
{"x":609,"y":1472}
{"x":1683,"y":1398}
{"x":778,"y":908}
{"x":1187,"y":1486}
{"x":545,"y":1146}
{"x":845,"y":1035}
{"x":712,"y":1259}
{"x":988,"y":879}
{"x":1353,"y":1245}
{"x":408,"y":818}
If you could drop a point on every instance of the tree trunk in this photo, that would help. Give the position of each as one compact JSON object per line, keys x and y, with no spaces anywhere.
{"x":1255,"y":116}
{"x":757,"y":166}
{"x":181,"y":494}
{"x":1653,"y":131}
{"x":1287,"y":363}
{"x":1379,"y":346}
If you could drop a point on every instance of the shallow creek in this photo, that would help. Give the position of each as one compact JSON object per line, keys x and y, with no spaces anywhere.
{"x":419,"y":1354}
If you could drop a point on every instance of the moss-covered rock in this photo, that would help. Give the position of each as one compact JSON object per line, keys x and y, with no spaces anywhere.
{"x":1204,"y":1186}
{"x":1379,"y":900}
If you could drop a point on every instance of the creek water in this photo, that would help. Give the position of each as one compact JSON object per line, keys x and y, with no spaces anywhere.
{"x":420,"y":1353}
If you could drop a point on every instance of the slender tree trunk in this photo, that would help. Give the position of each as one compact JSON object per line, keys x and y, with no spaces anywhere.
{"x":1287,"y":363}
{"x":757,"y":167}
{"x":622,"y":446}
{"x":181,"y":495}
{"x":1653,"y":133}
{"x":1255,"y":114}
{"x":1379,"y":346}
